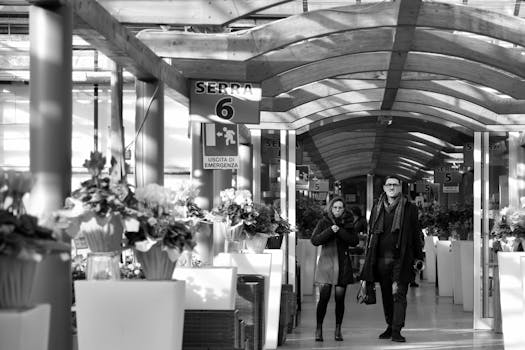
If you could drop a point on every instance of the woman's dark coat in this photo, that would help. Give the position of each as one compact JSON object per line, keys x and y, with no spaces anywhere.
{"x":334,"y":265}
{"x":410,"y":245}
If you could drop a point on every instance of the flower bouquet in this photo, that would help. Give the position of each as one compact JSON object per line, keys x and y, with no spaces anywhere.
{"x":95,"y":209}
{"x":156,"y":231}
{"x":23,"y":243}
{"x":235,"y":206}
{"x":508,"y":232}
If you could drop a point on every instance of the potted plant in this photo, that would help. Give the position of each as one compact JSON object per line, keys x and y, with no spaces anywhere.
{"x":159,"y":228}
{"x":235,"y":206}
{"x":23,"y":244}
{"x":95,"y":212}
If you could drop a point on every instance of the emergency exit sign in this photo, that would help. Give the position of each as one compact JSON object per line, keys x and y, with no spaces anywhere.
{"x":221,"y":146}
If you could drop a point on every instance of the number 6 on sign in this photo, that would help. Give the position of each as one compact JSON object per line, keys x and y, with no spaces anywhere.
{"x":223,"y":109}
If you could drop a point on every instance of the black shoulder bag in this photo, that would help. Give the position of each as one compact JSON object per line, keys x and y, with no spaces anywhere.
{"x":367,"y":290}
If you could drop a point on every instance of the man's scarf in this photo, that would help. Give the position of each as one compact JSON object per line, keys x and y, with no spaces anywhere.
{"x":399,"y":211}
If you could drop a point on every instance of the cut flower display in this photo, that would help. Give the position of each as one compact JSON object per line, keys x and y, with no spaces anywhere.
{"x":508,"y":232}
{"x":23,"y":242}
{"x":95,"y":210}
{"x":163,"y":216}
{"x":20,"y":234}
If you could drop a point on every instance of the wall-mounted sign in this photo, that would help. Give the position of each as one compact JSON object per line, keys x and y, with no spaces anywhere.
{"x":221,"y":146}
{"x":225,"y":102}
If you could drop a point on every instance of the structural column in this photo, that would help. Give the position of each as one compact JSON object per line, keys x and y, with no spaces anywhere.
{"x":149,"y":125}
{"x":245,"y":171}
{"x":516,"y":170}
{"x":50,"y":35}
{"x":292,"y":238}
{"x":117,"y":123}
{"x":256,"y":164}
{"x":222,"y":179}
{"x":202,"y":179}
{"x":369,"y":194}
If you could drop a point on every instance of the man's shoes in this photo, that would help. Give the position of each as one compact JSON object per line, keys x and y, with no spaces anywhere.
{"x":414,"y":284}
{"x":387,"y":334}
{"x":338,"y":336}
{"x":319,"y":334}
{"x":397,"y":337}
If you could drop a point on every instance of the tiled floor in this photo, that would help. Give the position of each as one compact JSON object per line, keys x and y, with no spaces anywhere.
{"x":432,"y":323}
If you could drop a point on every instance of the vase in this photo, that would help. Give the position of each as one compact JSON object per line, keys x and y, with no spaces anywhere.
{"x":103,"y":266}
{"x":103,"y":234}
{"x":156,"y":263}
{"x":256,"y":243}
{"x":17,"y":278}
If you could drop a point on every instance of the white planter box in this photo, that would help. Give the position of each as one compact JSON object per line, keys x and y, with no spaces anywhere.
{"x":307,"y":255}
{"x":130,"y":314}
{"x":209,"y":288}
{"x":457,"y":290}
{"x":445,"y":265}
{"x":466,"y":251}
{"x":251,"y":264}
{"x":511,"y":299}
{"x":429,"y":273}
{"x":25,"y":330}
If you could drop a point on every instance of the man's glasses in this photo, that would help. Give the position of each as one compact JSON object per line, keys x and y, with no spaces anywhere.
{"x":392,"y":185}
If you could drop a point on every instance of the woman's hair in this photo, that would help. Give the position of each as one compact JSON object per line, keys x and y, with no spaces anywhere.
{"x":332,"y":201}
{"x":356,"y":211}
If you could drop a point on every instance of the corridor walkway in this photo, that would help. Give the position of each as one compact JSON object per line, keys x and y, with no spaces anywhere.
{"x":432,"y":323}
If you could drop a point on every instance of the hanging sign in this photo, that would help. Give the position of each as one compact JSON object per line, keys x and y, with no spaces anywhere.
{"x":319,"y":185}
{"x":221,"y":146}
{"x":225,"y":102}
{"x":447,"y":175}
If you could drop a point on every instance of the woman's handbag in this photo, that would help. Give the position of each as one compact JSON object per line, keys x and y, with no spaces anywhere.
{"x":366,"y":293}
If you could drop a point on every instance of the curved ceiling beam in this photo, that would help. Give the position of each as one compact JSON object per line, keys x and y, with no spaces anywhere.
{"x":399,"y":124}
{"x":336,"y":153}
{"x":428,"y":110}
{"x":465,"y":108}
{"x":352,"y":137}
{"x":363,"y":116}
{"x":185,"y":12}
{"x":420,"y":62}
{"x":473,"y":20}
{"x":244,"y":45}
{"x":453,"y":88}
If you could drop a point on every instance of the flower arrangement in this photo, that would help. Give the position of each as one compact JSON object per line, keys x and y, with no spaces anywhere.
{"x":23,"y":242}
{"x":261,"y":220}
{"x":162,"y":216}
{"x":20,"y":234}
{"x":95,"y":209}
{"x":159,"y":227}
{"x":234,"y":206}
{"x":508,"y":232}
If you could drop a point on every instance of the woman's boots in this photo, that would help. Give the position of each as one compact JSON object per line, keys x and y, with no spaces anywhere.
{"x":319,"y":333}
{"x":338,"y":335}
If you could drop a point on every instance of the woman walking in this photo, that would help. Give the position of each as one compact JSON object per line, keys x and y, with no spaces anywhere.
{"x":334,"y":233}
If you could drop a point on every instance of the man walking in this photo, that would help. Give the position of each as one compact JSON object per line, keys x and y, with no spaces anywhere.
{"x":393,"y":248}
